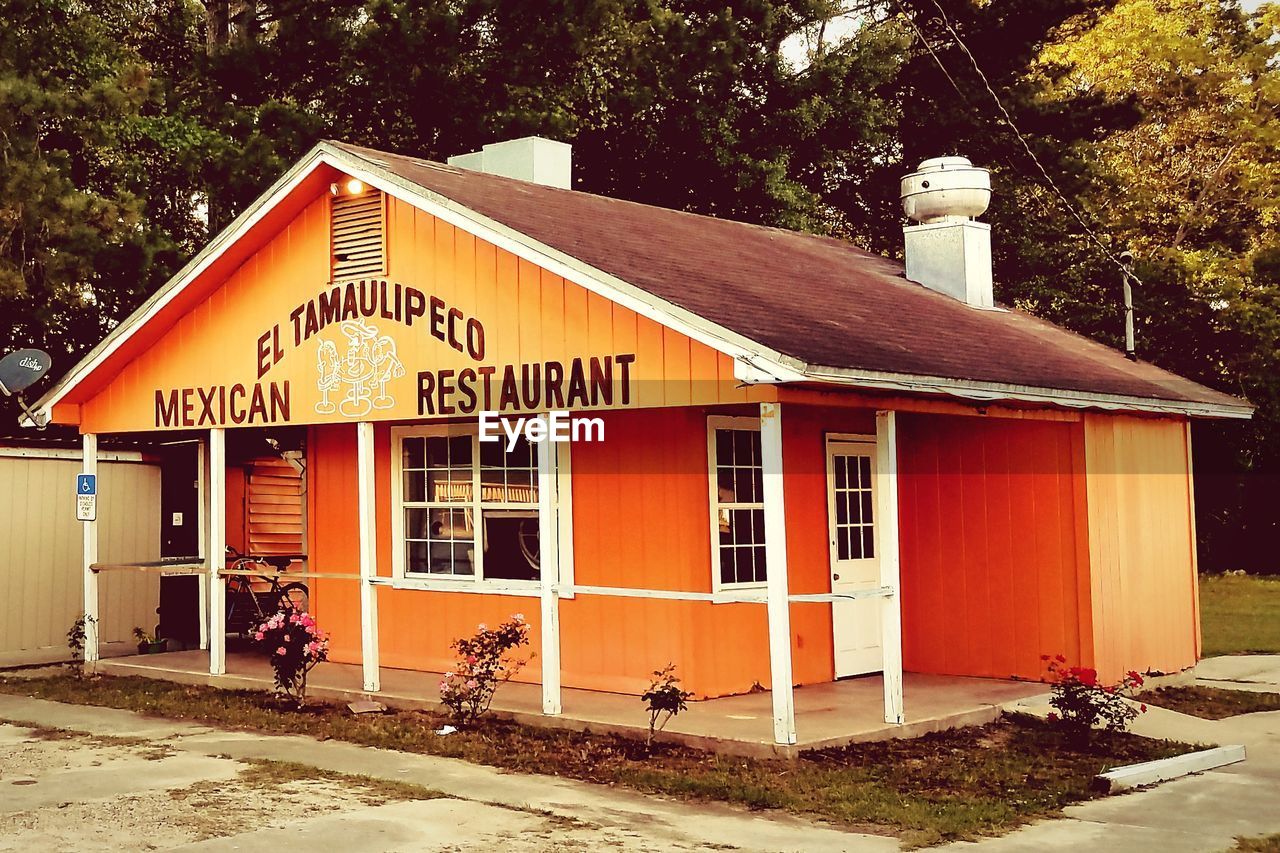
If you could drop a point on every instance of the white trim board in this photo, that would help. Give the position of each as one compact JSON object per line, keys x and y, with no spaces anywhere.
{"x":758,"y":363}
{"x":561,"y":525}
{"x":72,"y":455}
{"x":212,"y":251}
{"x":729,"y":422}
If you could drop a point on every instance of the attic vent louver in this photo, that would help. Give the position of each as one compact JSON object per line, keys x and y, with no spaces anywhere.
{"x":358,"y":235}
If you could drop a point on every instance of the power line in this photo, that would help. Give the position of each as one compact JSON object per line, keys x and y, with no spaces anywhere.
{"x":929,"y":47}
{"x":1008,"y":120}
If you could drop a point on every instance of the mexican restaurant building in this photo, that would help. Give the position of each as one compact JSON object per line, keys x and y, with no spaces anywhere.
{"x":813,"y":464}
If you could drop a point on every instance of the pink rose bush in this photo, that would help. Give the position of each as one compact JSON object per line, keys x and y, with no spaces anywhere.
{"x":1080,"y":700}
{"x":485,"y":661}
{"x":297,"y":644}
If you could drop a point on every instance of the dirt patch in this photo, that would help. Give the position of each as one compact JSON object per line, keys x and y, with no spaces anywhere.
{"x":42,"y":751}
{"x":1210,"y":703}
{"x":262,"y":794}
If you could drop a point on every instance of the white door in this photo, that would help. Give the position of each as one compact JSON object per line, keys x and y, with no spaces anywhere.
{"x":855,"y":563}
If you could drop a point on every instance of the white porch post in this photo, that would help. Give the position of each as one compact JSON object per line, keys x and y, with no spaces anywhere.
{"x":368,"y":559}
{"x":217,"y":556}
{"x":779,"y":607}
{"x":202,"y":533}
{"x":90,"y":557}
{"x":548,"y":550}
{"x":887,"y":514}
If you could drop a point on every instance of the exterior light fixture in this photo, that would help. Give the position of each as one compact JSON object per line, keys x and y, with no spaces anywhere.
{"x":351,"y":187}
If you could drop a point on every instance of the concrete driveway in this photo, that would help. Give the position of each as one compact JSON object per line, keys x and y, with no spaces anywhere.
{"x":1204,"y":812}
{"x":136,"y":783}
{"x":127,"y":782}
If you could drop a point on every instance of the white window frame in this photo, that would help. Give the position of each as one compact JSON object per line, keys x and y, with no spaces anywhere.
{"x":715,"y":422}
{"x":401,"y":577}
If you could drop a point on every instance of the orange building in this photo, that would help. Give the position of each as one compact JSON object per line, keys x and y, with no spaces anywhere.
{"x":812,"y":465}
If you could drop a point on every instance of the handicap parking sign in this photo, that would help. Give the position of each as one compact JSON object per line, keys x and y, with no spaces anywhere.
{"x":86,"y":497}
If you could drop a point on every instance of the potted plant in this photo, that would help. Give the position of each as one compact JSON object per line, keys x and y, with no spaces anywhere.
{"x":149,"y":644}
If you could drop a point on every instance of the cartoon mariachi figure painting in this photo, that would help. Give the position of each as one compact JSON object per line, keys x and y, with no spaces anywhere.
{"x":328,"y":366}
{"x":386,"y":366}
{"x":369,"y":361}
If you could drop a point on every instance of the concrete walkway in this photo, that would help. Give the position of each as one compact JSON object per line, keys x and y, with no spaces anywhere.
{"x":483,"y":808}
{"x":829,"y":714}
{"x":1204,"y":812}
{"x":486,"y":808}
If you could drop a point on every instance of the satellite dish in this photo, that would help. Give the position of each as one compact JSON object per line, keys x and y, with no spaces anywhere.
{"x":19,"y":370}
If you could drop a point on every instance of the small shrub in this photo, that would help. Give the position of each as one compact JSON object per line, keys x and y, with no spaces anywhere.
{"x":294,"y":644}
{"x":486,"y":660}
{"x":76,"y":636}
{"x":663,"y":700}
{"x":1080,"y":701}
{"x":75,"y":639}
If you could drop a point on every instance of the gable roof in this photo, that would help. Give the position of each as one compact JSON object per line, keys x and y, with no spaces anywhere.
{"x":832,"y":308}
{"x":788,"y":306}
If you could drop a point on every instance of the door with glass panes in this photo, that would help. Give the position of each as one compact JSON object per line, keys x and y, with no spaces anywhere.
{"x":855,"y":563}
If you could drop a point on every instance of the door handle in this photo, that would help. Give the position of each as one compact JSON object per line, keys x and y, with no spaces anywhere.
{"x":835,"y":577}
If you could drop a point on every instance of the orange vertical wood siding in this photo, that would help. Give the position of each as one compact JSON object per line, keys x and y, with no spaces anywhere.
{"x":530,"y":316}
{"x":1141,"y":544}
{"x":641,"y":520}
{"x":416,"y":627}
{"x":994,"y":554}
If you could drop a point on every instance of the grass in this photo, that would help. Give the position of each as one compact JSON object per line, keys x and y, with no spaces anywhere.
{"x":949,"y":785}
{"x":1240,"y":614}
{"x":1210,"y":703}
{"x":266,"y":773}
{"x":1260,"y":844}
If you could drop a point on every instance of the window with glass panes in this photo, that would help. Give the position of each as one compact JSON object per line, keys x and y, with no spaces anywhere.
{"x":855,"y":529}
{"x":738,"y":513}
{"x":470,"y":508}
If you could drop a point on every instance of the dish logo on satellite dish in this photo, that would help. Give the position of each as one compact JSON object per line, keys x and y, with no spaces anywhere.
{"x":20,"y":369}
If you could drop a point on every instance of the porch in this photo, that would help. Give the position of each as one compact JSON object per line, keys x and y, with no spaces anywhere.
{"x":829,"y":714}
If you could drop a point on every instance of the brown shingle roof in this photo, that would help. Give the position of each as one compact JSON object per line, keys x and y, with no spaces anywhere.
{"x":819,"y":300}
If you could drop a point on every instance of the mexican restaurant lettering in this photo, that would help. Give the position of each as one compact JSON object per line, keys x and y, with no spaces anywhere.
{"x":359,"y":370}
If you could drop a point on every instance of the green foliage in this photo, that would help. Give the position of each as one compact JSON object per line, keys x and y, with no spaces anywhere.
{"x":1240,"y":614}
{"x":1193,"y":189}
{"x":1081,"y":701}
{"x":132,"y":129}
{"x":485,"y":661}
{"x":76,"y":638}
{"x":663,"y":700}
{"x":294,"y":645}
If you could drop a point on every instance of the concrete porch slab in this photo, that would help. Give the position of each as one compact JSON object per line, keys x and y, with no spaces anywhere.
{"x":831,"y":714}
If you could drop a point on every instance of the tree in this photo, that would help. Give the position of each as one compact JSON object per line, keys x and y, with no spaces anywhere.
{"x":689,"y":104}
{"x":75,"y":250}
{"x":1193,"y":188}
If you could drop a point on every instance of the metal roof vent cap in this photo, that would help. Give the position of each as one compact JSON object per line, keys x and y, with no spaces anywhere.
{"x":946,"y":189}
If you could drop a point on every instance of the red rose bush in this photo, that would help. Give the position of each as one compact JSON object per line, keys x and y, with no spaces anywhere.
{"x":1081,"y":701}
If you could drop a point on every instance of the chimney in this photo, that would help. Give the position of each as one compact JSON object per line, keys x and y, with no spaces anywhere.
{"x":948,"y":251}
{"x":531,"y":158}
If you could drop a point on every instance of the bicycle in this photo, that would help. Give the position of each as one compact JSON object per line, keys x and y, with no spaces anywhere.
{"x":252,"y":599}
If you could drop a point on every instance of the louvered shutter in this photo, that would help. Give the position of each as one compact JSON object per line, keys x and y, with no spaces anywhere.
{"x":275,"y":510}
{"x":358,"y":235}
